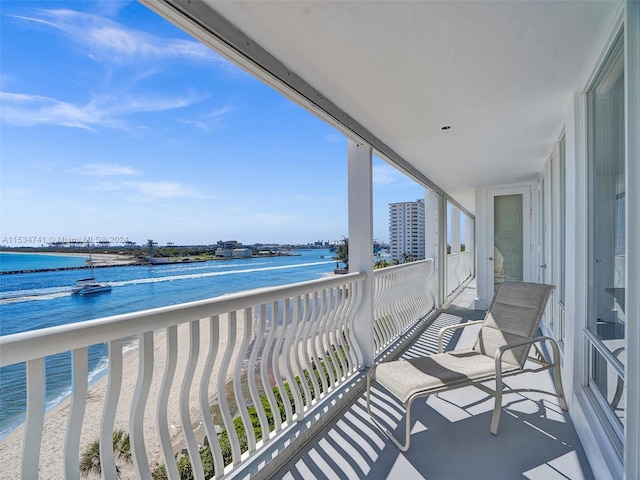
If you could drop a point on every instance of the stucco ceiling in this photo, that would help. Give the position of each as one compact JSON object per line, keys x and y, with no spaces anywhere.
{"x":501,"y":74}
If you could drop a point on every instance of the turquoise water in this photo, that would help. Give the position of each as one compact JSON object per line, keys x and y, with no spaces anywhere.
{"x":10,"y":262}
{"x":31,"y":301}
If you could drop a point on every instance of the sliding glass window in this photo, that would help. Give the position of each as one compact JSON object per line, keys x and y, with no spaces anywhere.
{"x":563,"y":218}
{"x":606,"y":179}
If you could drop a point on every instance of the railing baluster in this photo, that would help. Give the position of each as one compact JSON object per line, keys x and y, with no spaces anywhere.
{"x":354,"y":291}
{"x":378,"y":308}
{"x":291,"y":326}
{"x":222,"y":390}
{"x":35,"y":418}
{"x":163,"y":402}
{"x":279,"y":354}
{"x":332,"y":333}
{"x":309,"y":340}
{"x":140,"y":396}
{"x":267,"y":355}
{"x":300,"y":319}
{"x":339,"y":330}
{"x":315,"y":338}
{"x":237,"y":382}
{"x":393,"y":318}
{"x":325,"y":326}
{"x":214,"y":340}
{"x":252,"y":373}
{"x":79,"y":379}
{"x":431,"y":289}
{"x":112,"y":397}
{"x":185,"y":391}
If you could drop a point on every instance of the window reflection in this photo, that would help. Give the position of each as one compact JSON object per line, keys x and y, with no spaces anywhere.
{"x":508,"y":231}
{"x":607,"y":248}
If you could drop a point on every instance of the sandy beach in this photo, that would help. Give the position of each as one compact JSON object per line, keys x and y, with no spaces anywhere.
{"x":98,"y":259}
{"x":51,"y":455}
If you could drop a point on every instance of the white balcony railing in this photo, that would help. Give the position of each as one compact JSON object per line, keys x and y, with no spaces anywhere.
{"x":402,"y":295}
{"x":260,"y":341}
{"x":241,"y":363}
{"x":459,"y":269}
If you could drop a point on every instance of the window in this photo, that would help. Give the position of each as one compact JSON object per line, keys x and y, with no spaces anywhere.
{"x":562,"y":199}
{"x":606,"y":187}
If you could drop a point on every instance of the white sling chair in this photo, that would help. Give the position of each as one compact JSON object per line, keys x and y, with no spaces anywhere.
{"x":501,"y":349}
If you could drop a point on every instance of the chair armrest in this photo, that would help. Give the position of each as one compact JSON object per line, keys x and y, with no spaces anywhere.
{"x":504,"y":348}
{"x":452,"y":327}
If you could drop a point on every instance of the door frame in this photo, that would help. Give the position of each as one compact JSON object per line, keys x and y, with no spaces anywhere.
{"x":527,"y":216}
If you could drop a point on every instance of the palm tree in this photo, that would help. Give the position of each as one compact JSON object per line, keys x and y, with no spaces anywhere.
{"x":150,"y":245}
{"x":342,"y":252}
{"x":90,"y":461}
{"x":407,"y":257}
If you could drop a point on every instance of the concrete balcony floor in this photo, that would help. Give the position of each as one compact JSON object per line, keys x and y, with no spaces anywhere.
{"x":450,"y":433}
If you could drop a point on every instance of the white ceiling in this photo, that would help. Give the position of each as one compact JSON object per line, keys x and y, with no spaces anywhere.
{"x":500,"y":73}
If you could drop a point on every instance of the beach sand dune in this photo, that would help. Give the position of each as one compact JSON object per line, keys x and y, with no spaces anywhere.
{"x":51,"y":456}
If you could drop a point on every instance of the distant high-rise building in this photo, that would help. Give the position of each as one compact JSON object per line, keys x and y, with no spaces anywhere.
{"x":406,"y":229}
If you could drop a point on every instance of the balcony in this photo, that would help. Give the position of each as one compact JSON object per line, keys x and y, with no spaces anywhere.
{"x":450,"y":433}
{"x":253,"y":347}
{"x":431,"y":89}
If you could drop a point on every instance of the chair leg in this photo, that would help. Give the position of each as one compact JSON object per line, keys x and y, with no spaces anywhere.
{"x":497,"y":407}
{"x":403,"y":447}
{"x":556,"y":375}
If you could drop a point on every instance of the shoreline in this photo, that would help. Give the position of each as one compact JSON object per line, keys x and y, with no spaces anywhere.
{"x":98,"y":260}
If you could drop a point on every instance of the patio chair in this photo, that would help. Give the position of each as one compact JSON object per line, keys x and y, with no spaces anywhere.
{"x":501,"y":349}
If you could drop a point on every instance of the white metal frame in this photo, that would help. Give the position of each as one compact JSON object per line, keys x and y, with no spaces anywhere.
{"x":479,"y":383}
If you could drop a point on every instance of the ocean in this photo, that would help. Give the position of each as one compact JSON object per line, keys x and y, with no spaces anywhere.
{"x":11,"y":262}
{"x":30,"y":301}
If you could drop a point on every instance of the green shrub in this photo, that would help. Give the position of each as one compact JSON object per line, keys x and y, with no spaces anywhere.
{"x":184,"y":463}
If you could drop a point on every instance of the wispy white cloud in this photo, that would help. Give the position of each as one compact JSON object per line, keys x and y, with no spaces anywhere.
{"x":163,"y":189}
{"x":208,"y":122}
{"x":105,"y":170}
{"x":384,"y":174}
{"x":335,"y":138}
{"x":16,"y":192}
{"x":106,"y":40}
{"x":28,"y":110}
{"x":152,"y":190}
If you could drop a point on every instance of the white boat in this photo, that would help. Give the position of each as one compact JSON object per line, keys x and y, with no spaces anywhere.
{"x":88,"y":286}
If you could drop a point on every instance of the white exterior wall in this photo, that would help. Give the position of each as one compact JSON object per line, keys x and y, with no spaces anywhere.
{"x":607,"y":461}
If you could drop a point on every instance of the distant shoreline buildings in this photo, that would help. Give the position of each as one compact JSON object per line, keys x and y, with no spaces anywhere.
{"x":406,"y":230}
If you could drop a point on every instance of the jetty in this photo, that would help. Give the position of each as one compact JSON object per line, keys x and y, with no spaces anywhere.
{"x":82,"y":267}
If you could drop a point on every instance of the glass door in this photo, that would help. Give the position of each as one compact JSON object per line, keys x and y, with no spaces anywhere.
{"x":509,"y":228}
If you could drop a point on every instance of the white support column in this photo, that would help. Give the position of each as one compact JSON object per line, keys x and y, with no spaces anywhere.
{"x":361,"y":240}
{"x":455,"y":229}
{"x":432,"y":238}
{"x":469,"y":240}
{"x":442,"y":250}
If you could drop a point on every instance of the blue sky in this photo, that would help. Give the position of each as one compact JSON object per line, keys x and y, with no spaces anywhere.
{"x":116,"y":124}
